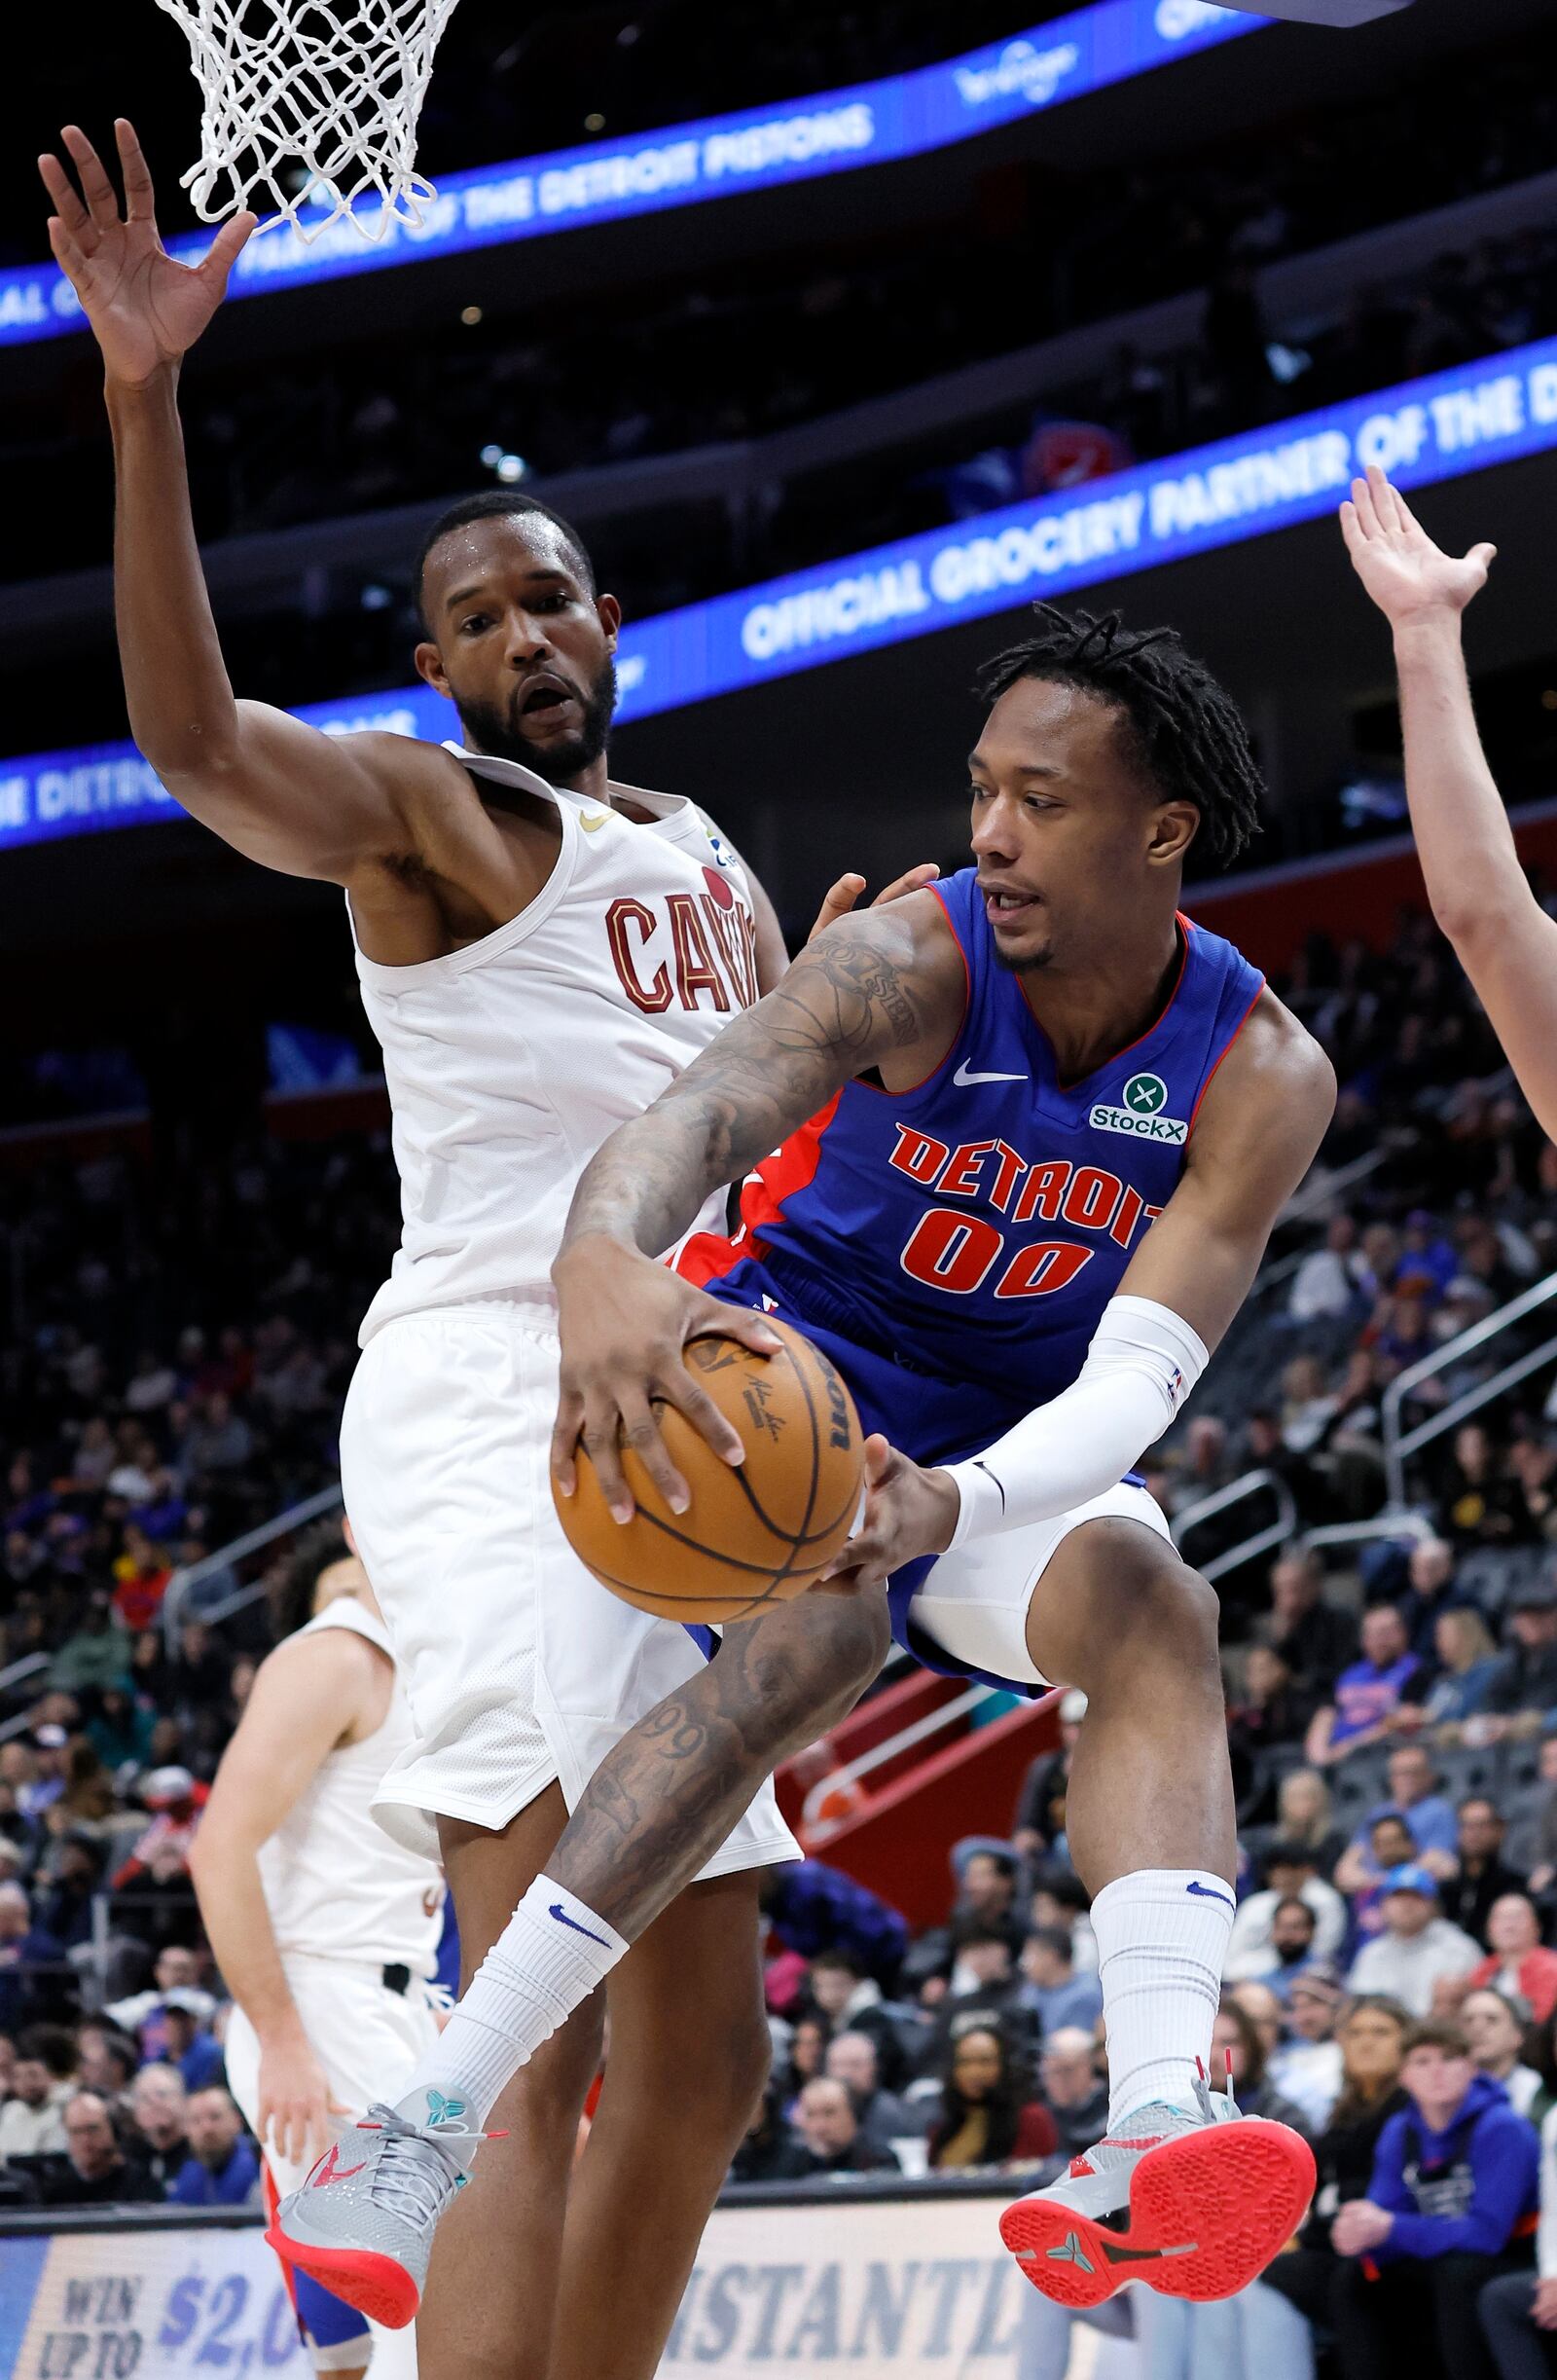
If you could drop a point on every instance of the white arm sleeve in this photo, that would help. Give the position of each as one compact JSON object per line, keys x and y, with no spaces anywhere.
{"x":1142,"y":1365}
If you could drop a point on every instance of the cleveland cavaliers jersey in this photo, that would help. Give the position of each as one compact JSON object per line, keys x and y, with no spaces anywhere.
{"x":971,"y":1231}
{"x":335,"y":1885}
{"x":509,"y":1062}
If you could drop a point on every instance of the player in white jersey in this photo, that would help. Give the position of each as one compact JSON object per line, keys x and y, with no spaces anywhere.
{"x":540,"y":952}
{"x":326,"y":1938}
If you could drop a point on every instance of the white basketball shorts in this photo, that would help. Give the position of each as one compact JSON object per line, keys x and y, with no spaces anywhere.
{"x":974,"y":1603}
{"x":520,"y":1669}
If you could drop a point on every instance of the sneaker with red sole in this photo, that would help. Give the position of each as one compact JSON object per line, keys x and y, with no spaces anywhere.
{"x":363,"y":2221}
{"x":1193,"y":2201}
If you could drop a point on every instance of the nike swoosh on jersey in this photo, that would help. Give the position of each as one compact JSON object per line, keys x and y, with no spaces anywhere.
{"x":592,"y":821}
{"x":965,"y":1082}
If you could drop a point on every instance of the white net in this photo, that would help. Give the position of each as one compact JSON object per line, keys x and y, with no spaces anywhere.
{"x":310,"y":108}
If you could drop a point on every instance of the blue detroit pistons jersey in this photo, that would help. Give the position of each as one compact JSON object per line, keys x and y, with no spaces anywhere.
{"x":971,"y":1231}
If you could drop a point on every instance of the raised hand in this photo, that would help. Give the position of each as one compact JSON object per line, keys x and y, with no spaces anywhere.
{"x":145,"y":309}
{"x":1406,"y":574}
{"x":846,"y":892}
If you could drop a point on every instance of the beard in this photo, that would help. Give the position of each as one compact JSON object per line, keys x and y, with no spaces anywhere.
{"x":496,"y":729}
{"x":1027,"y":963}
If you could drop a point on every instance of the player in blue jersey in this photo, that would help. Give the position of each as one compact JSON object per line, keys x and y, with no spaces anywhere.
{"x":1032,"y":1130}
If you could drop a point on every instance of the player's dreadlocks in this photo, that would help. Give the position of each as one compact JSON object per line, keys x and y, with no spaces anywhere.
{"x":1186,"y":734}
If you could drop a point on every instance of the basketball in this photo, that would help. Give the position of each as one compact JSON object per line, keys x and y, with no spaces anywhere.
{"x":755,"y":1534}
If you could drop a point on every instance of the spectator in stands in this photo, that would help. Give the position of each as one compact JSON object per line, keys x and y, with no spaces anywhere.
{"x":1495,"y":2029}
{"x":106,"y":2060}
{"x":1269,"y":1714}
{"x":1418,"y":1948}
{"x":1306,"y":2067}
{"x":1431,"y":1590}
{"x":1531,"y":1849}
{"x":987,"y":2114}
{"x":1060,"y":1899}
{"x":1264,"y":2012}
{"x":1481,"y":1878}
{"x":1452,"y":2204}
{"x":97,"y":1655}
{"x":223,"y":2169}
{"x":987,"y":1878}
{"x":1289,"y":1873}
{"x":73,"y":1874}
{"x":1240,"y":2040}
{"x":1330,"y":1281}
{"x":1074,"y":2094}
{"x":1372,"y":2037}
{"x":32,"y":2120}
{"x":1519,"y":2310}
{"x":94,"y":2171}
{"x":811,"y":1908}
{"x":770,"y":2151}
{"x":1361,"y":1872}
{"x":831,"y":2136}
{"x":177,"y":1969}
{"x":158,"y":2109}
{"x":1367,"y":1694}
{"x":808,"y":2056}
{"x":1312,"y":1637}
{"x":1467,"y":1663}
{"x":191,"y":2048}
{"x":1523,"y":1696}
{"x":1303,"y":1816}
{"x":1051,"y":1988}
{"x":1516,"y":1963}
{"x":30,"y":1960}
{"x":49,"y":1745}
{"x":850,"y":1999}
{"x":882,"y":2116}
{"x":1414,"y":1792}
{"x":1040,"y":1826}
{"x":1481,"y":1502}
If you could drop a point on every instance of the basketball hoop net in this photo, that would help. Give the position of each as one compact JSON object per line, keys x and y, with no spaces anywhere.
{"x":309,"y":105}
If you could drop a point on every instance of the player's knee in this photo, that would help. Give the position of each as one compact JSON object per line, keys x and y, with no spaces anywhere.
{"x":852,"y":1638}
{"x":1152,"y":1614}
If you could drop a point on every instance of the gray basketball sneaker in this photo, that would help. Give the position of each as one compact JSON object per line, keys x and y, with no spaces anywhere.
{"x":1193,"y":2201}
{"x":363,"y":2221}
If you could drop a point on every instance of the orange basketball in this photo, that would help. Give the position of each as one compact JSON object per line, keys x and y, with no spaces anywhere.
{"x":754,"y":1534}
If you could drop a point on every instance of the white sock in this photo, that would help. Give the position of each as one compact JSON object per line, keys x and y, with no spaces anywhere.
{"x":1162,"y":1944}
{"x":553,"y":1953}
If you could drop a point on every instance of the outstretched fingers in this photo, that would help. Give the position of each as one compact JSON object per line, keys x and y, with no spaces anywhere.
{"x":140,"y":199}
{"x":225,"y":249}
{"x":102,"y":200}
{"x":65,"y":197}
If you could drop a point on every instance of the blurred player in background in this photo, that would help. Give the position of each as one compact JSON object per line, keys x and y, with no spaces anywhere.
{"x":325,"y":1932}
{"x":539,"y":953}
{"x":1480,"y":895}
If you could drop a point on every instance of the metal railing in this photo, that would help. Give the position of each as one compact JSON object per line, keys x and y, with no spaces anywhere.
{"x":1279,"y":1532}
{"x":1401,"y":1445}
{"x":183,"y":1583}
{"x":17,"y":1673}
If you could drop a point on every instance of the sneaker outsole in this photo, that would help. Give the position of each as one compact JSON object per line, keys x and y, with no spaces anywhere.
{"x":1208,"y":2212}
{"x":375,"y":2284}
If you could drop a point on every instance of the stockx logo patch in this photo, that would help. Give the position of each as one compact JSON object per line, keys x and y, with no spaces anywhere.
{"x":1141,"y":1114}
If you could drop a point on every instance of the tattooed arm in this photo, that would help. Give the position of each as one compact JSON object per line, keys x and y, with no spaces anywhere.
{"x":881,"y":990}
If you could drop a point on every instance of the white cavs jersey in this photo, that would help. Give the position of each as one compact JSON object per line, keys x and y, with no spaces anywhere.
{"x":508,"y":1065}
{"x":510,"y":1062}
{"x":334,"y":1887}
